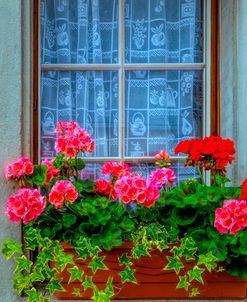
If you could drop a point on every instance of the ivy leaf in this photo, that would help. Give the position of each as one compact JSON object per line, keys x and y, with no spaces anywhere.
{"x":194,"y":292}
{"x":128,"y":276}
{"x":75,"y":273}
{"x":46,"y":299}
{"x":124,"y":259}
{"x":77,"y":292}
{"x":63,"y":260}
{"x":33,"y":295}
{"x":88,"y":283}
{"x":140,"y":250}
{"x":21,"y":282}
{"x":23,"y":264}
{"x":209,"y":260}
{"x":174,"y":263}
{"x":97,"y":263}
{"x":183,"y":283}
{"x":10,"y":248}
{"x":54,"y":285}
{"x":196,"y":273}
{"x":109,"y":288}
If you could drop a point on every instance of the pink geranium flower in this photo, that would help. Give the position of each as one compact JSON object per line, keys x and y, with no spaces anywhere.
{"x":52,"y":172}
{"x":62,"y":191}
{"x":103,"y":186}
{"x":162,"y":176}
{"x":232,"y":217}
{"x":72,"y":139}
{"x":115,"y":168}
{"x":26,"y":205}
{"x":23,"y":166}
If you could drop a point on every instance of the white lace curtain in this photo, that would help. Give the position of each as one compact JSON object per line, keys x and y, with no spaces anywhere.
{"x":161,"y":107}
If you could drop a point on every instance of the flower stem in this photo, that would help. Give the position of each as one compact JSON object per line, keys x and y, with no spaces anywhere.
{"x":200,"y":173}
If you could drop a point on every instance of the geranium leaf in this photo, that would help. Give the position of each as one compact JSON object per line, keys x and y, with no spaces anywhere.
{"x":10,"y":248}
{"x":128,"y":276}
{"x":75,"y":273}
{"x":183,"y":283}
{"x":97,"y":263}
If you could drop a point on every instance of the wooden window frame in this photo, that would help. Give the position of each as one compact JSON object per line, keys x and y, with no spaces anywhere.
{"x":214,"y":74}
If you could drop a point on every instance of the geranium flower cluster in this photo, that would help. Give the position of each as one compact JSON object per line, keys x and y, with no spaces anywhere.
{"x":103,"y":187}
{"x":23,"y":166}
{"x":26,"y":205}
{"x":232,"y":217}
{"x":243,"y":195}
{"x":52,"y":172}
{"x":62,"y":191}
{"x":115,"y":169}
{"x":72,"y":139}
{"x":130,"y":188}
{"x":214,"y":152}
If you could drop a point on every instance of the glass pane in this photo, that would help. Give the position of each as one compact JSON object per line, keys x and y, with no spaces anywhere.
{"x":92,"y":171}
{"x":90,"y":98}
{"x":161,"y":109}
{"x":76,"y":31}
{"x":181,"y":172}
{"x":163,"y":31}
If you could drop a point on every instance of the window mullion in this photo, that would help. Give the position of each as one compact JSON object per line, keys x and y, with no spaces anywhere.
{"x":121,"y":80}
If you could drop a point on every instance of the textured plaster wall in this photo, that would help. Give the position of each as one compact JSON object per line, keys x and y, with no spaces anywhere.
{"x":14,"y":115}
{"x":234,"y":81}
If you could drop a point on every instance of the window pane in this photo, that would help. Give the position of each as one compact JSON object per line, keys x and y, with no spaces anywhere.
{"x":75,"y":31}
{"x":90,"y":98}
{"x":181,"y":172}
{"x":161,"y":109}
{"x":92,"y":171}
{"x":159,"y":31}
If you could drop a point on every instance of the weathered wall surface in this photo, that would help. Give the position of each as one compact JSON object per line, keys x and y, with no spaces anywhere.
{"x":234,"y":81}
{"x":14,"y":115}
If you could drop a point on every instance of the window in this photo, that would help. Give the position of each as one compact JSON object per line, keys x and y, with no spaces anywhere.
{"x":134,"y":73}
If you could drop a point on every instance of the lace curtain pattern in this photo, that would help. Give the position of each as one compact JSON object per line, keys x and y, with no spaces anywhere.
{"x":161,"y":107}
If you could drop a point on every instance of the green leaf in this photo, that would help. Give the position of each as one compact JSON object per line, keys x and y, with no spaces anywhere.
{"x":77,"y":292}
{"x":75,"y":273}
{"x":54,"y":285}
{"x":183,"y":283}
{"x":76,"y":163}
{"x":97,"y":263}
{"x":128,"y":276}
{"x":39,"y":175}
{"x":63,"y":260}
{"x":33,"y":295}
{"x":59,"y":161}
{"x":10,"y":248}
{"x":69,"y":220}
{"x":21,"y":282}
{"x":184,"y":216}
{"x":174,"y":263}
{"x":194,"y":292}
{"x":109,"y":288}
{"x":140,"y":250}
{"x":88,"y":185}
{"x":23,"y":264}
{"x":78,"y":186}
{"x":124,"y":259}
{"x":196,"y":273}
{"x":88,"y":283}
{"x":209,"y":260}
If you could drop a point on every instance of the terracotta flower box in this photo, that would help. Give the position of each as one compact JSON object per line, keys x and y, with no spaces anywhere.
{"x":153,"y":281}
